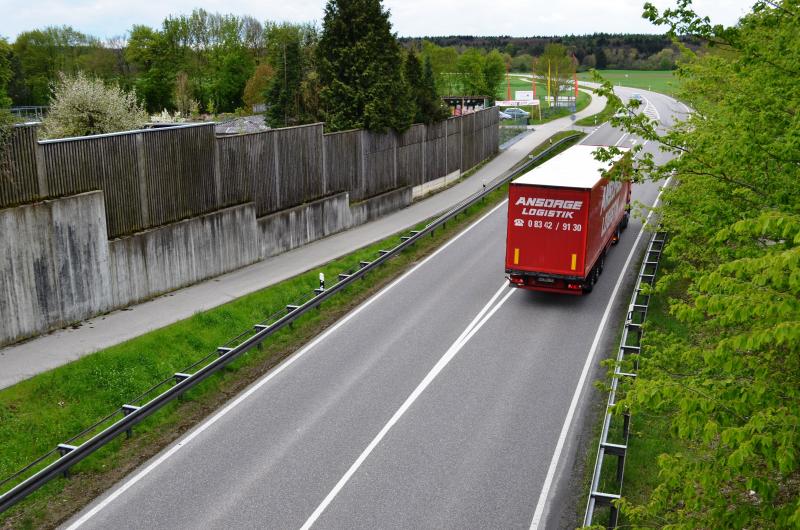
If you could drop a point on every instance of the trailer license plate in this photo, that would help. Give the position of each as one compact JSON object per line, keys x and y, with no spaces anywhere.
{"x":545,"y":280}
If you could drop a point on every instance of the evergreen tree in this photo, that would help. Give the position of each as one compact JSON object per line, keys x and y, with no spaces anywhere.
{"x":428,"y":107}
{"x":360,"y":66}
{"x":600,"y":60}
{"x":413,"y":72}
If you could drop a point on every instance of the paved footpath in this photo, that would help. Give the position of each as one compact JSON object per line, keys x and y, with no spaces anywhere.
{"x":24,"y":360}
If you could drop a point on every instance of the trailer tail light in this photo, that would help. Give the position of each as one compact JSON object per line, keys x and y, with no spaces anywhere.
{"x":519,"y":280}
{"x":574,"y":286}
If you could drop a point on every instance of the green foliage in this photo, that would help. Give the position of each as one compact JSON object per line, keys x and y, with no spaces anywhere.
{"x":40,"y":55}
{"x":256,"y":87}
{"x":428,"y":107}
{"x":158,"y":61}
{"x":6,"y":73}
{"x":360,"y":68}
{"x":444,"y":64}
{"x":290,"y":56}
{"x":83,"y":106}
{"x":558,"y":67}
{"x":728,"y":376}
{"x":481,"y":74}
{"x":7,"y":121}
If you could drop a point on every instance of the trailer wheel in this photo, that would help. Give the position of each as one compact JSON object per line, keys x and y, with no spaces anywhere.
{"x":601,"y":263}
{"x":624,"y":223}
{"x":617,"y":234}
{"x":590,"y":281}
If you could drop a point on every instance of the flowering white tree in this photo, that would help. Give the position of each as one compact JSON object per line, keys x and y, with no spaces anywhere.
{"x":82,"y":105}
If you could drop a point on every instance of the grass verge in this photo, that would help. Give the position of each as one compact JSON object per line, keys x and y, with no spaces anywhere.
{"x":47,"y":409}
{"x":602,"y":116}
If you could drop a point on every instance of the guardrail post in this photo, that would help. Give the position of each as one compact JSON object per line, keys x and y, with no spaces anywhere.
{"x":613,"y":518}
{"x":64,"y":449}
{"x":127,"y":409}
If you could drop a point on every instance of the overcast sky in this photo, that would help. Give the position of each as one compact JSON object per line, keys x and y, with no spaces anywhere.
{"x":410,"y":18}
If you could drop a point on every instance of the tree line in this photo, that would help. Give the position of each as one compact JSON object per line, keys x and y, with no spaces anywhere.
{"x":598,"y":50}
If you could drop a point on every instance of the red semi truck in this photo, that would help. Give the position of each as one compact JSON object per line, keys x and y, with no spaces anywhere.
{"x":562,"y":218}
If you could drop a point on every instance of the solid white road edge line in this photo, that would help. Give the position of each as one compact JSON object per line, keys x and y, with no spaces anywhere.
{"x":451,"y":352}
{"x":562,"y":437}
{"x":280,"y":368}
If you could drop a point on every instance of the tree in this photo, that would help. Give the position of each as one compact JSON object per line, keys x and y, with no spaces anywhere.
{"x":433,"y":108}
{"x":184,"y":102}
{"x":360,"y":68}
{"x":81,"y":106}
{"x":558,"y":67}
{"x":6,"y":73}
{"x":444,"y":65}
{"x":157,"y":62}
{"x":522,"y":63}
{"x":41,"y":55}
{"x":481,"y":74}
{"x":256,"y":87}
{"x":724,"y":370}
{"x":600,"y":61}
{"x":284,"y":53}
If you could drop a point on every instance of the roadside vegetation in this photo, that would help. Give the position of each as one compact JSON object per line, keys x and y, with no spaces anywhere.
{"x":716,"y":404}
{"x":613,"y":104}
{"x":51,"y":407}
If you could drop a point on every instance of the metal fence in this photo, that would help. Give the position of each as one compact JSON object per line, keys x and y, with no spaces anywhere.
{"x":614,"y":437}
{"x":63,"y":456}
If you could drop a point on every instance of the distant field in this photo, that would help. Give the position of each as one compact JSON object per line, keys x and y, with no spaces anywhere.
{"x":656,"y":80}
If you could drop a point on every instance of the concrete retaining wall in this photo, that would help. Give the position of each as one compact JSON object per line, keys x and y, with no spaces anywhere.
{"x":53,"y":265}
{"x":57,"y":266}
{"x":380,"y":205}
{"x":303,"y":224}
{"x":429,"y":187}
{"x":180,"y":254}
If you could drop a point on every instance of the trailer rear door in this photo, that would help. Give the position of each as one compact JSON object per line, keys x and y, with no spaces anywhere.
{"x":547,"y":228}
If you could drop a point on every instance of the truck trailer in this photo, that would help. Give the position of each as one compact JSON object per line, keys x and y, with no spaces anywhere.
{"x":563,"y":216}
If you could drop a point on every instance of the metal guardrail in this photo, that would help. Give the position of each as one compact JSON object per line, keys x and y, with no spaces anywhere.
{"x":130,"y":414}
{"x":629,"y":344}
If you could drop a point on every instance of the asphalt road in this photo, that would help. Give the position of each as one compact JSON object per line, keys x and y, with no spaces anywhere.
{"x":439,"y":403}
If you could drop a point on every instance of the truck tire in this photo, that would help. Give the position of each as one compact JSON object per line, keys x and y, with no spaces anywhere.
{"x":601,"y":263}
{"x":617,"y":234}
{"x":590,"y":281}
{"x":624,"y":223}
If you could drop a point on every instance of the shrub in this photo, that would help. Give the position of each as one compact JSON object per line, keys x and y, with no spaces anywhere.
{"x":82,"y":105}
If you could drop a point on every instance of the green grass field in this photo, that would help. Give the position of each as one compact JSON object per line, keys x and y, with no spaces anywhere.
{"x":663,"y":81}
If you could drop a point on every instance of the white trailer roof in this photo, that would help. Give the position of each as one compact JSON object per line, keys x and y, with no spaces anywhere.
{"x":574,"y":168}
